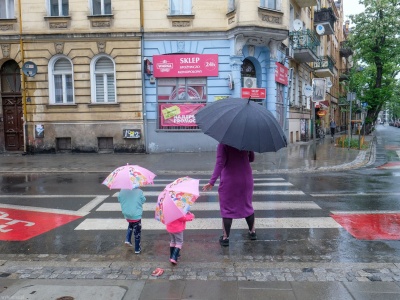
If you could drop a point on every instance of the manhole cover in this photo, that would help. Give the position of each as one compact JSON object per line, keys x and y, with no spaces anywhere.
{"x":65,"y":298}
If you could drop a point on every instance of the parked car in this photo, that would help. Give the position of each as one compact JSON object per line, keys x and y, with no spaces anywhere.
{"x":396,"y":123}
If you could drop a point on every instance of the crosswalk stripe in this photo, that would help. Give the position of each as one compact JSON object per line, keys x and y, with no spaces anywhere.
{"x":214,"y":223}
{"x":45,"y":210}
{"x":365,"y":212}
{"x":207,"y":179}
{"x":215,"y":193}
{"x":208,"y":206}
{"x":216,"y":185}
{"x":354,"y":194}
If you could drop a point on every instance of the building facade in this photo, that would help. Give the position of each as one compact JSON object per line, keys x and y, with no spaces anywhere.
{"x":81,"y":89}
{"x":116,"y":76}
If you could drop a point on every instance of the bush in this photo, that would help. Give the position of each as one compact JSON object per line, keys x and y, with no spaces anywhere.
{"x":353,"y":144}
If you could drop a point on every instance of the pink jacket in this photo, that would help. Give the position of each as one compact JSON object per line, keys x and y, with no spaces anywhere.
{"x":180,"y":224}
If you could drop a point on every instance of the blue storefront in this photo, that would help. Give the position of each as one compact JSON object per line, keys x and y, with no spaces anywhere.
{"x":244,"y":59}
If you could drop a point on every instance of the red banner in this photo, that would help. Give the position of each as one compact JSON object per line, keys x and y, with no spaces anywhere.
{"x":281,"y":74}
{"x":179,"y":114}
{"x":185,"y":65}
{"x":258,"y":93}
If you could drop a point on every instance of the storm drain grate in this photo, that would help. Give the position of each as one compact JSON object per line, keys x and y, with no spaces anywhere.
{"x":65,"y":298}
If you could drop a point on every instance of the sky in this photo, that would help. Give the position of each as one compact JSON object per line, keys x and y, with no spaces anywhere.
{"x":351,"y":7}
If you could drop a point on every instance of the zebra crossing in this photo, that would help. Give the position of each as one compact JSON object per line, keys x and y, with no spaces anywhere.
{"x":267,"y":191}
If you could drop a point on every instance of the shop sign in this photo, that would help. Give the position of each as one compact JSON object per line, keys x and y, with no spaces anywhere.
{"x":185,"y":65}
{"x":321,"y":113}
{"x":281,"y":74}
{"x":179,"y":114}
{"x":257,"y":93}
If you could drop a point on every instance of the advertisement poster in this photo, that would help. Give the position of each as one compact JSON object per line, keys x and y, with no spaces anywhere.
{"x":185,"y":65}
{"x":179,"y":114}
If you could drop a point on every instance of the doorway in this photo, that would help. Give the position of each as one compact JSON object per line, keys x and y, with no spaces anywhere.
{"x":12,"y":106}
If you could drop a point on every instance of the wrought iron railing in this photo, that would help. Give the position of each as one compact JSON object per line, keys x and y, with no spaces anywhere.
{"x":304,"y":39}
{"x":324,"y":62}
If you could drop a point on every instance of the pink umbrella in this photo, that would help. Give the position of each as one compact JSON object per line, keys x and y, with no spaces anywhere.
{"x":175,"y":200}
{"x":129,"y":177}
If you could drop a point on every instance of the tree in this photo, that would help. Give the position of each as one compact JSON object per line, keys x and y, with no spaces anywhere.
{"x":375,"y":41}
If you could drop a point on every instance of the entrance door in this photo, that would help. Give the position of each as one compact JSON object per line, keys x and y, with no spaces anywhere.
{"x":13,"y":124}
{"x":12,"y":106}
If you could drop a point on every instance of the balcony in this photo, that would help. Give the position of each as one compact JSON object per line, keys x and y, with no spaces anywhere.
{"x":327,"y":18}
{"x":345,"y":50}
{"x":344,"y":74}
{"x":306,"y":3}
{"x":324,"y":67}
{"x":304,"y":44}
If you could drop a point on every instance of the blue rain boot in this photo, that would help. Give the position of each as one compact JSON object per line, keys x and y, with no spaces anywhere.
{"x":138,"y":248}
{"x":175,"y":255}
{"x":128,"y":238}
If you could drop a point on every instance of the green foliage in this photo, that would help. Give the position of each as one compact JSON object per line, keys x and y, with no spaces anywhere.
{"x":353,"y":144}
{"x":375,"y":41}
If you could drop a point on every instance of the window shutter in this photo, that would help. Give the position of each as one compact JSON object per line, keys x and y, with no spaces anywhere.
{"x":104,"y":64}
{"x":110,"y":88}
{"x":99,"y":88}
{"x":62,"y":65}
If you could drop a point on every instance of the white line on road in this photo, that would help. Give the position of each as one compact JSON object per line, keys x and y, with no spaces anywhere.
{"x":45,"y":210}
{"x":51,"y":196}
{"x":214,"y":223}
{"x":92,"y":204}
{"x":216,"y":185}
{"x":365,"y":212}
{"x":209,"y":206}
{"x":215,"y":193}
{"x":355,"y":194}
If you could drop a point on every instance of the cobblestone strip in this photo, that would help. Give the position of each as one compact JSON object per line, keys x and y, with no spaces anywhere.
{"x":248,"y":269}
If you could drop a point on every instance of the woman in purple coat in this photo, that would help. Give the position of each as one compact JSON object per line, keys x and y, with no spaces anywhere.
{"x":235,"y":188}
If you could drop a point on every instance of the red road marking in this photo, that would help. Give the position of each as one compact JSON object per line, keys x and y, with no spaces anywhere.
{"x":390,"y":165}
{"x":22,"y":225}
{"x":371,"y":226}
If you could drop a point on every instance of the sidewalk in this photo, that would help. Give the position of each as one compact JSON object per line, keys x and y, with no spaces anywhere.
{"x":298,"y":157}
{"x":45,"y":276}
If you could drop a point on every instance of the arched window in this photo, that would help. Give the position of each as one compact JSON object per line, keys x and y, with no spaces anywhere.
{"x":61,"y":84}
{"x":102,"y":71}
{"x":10,"y":77}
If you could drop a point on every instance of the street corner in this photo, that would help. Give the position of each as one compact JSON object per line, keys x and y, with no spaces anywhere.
{"x":22,"y":225}
{"x":371,"y":227}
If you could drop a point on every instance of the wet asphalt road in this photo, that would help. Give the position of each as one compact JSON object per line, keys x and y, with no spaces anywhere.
{"x":366,"y":189}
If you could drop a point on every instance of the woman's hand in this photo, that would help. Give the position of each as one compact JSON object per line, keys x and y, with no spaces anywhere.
{"x":207,"y":187}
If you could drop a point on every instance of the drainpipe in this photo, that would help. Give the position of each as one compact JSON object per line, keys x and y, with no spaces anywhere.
{"x":23,"y":85}
{"x":142,"y":74}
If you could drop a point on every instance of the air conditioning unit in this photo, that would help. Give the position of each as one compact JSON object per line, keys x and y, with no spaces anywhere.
{"x":249,"y":82}
{"x":289,"y":52}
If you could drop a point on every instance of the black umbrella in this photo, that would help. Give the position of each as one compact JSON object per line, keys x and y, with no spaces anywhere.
{"x":242,"y":124}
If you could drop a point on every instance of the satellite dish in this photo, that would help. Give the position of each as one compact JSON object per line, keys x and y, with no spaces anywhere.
{"x":308,"y":90}
{"x":297,"y":25}
{"x":320,"y":29}
{"x":328,"y":83}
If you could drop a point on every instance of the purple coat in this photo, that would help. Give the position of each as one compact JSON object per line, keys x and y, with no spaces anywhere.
{"x":236,"y":181}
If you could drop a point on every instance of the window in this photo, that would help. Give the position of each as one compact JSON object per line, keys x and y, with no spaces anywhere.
{"x":231,"y":5}
{"x":101,"y":7}
{"x":178,"y":101}
{"x":103,"y":80}
{"x":61,"y":86}
{"x":58,"y":8}
{"x":7,"y":9}
{"x":271,"y":4}
{"x":181,"y":7}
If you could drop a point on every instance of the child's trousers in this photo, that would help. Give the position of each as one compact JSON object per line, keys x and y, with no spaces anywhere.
{"x":176,"y":239}
{"x":136,"y":229}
